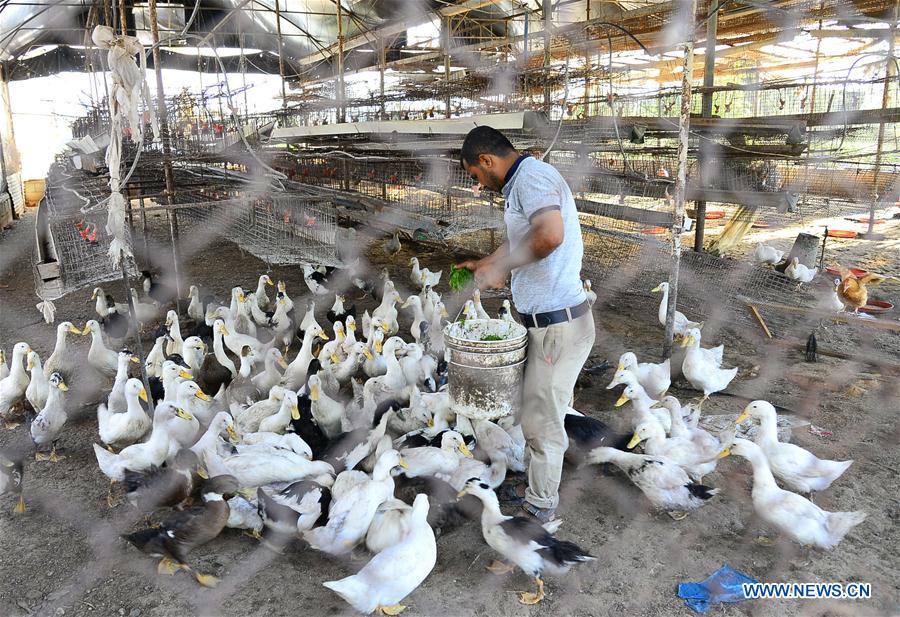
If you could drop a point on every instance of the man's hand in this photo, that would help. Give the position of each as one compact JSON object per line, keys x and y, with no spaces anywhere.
{"x":488,"y":273}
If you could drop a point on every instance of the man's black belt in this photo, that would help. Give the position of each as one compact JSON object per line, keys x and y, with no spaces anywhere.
{"x":542,"y":320}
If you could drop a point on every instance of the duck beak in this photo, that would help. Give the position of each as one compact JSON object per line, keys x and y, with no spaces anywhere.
{"x":135,"y":359}
{"x":430,"y":423}
{"x":386,"y":328}
{"x":232,"y":434}
{"x":622,"y":400}
{"x":687,"y":341}
{"x":203,"y":396}
{"x":202,"y":473}
{"x":323,"y":336}
{"x":403,"y":464}
{"x":94,"y":295}
{"x":368,"y":353}
{"x":269,"y":281}
{"x":334,"y":359}
{"x":724,"y":453}
{"x":378,"y":347}
{"x":142,"y":394}
{"x":464,"y":449}
{"x":621,"y":367}
{"x":744,"y":415}
{"x":85,"y":332}
{"x":444,"y":313}
{"x":295,"y":412}
{"x":635,"y":440}
{"x":184,"y":415}
{"x":351,"y":327}
{"x":405,"y":304}
{"x":185,"y":375}
{"x":224,"y":330}
{"x":282,"y":362}
{"x":62,"y":386}
{"x":28,"y":365}
{"x":655,"y":289}
{"x":313,"y":394}
{"x":461,"y":494}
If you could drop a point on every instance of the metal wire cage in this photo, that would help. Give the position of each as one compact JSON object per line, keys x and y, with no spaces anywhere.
{"x":278,"y":229}
{"x":71,"y":248}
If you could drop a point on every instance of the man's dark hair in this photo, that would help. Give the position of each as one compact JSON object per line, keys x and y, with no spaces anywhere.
{"x":484,"y":140}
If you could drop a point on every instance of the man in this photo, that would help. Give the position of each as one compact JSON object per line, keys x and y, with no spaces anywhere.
{"x":543,"y":252}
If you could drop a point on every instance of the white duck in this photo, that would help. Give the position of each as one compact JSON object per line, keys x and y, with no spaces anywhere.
{"x":195,"y":308}
{"x":349,"y":335}
{"x":420,"y":277}
{"x":4,"y":366}
{"x":415,"y":302}
{"x":282,"y":324}
{"x":282,"y":291}
{"x":270,"y":375}
{"x":654,"y":378}
{"x":309,"y":319}
{"x":387,"y":312}
{"x":314,"y":281}
{"x":431,"y":461}
{"x":702,"y":438}
{"x":799,"y":469}
{"x":642,"y":406}
{"x":259,"y":467}
{"x":128,"y":427}
{"x":287,"y":410}
{"x":156,"y":357}
{"x":766,"y":254}
{"x":704,"y":374}
{"x":388,"y":526}
{"x":144,"y":312}
{"x":355,"y":500}
{"x":326,"y":411}
{"x":696,"y":461}
{"x":209,"y":442}
{"x":799,"y":272}
{"x":393,"y":381}
{"x":491,"y":438}
{"x":505,"y":312}
{"x":331,"y":352}
{"x":262,"y":299}
{"x":396,"y":571}
{"x":100,"y":357}
{"x":480,"y":313}
{"x":664,"y":483}
{"x":60,"y":359}
{"x":175,"y":344}
{"x":793,"y":515}
{"x":141,"y":456}
{"x":375,"y":364}
{"x":417,"y":366}
{"x":524,"y":541}
{"x":590,"y":293}
{"x":115,"y":403}
{"x":12,"y":388}
{"x":295,"y":374}
{"x":247,"y":420}
{"x":38,"y":386}
{"x":682,"y":323}
{"x":184,"y":432}
{"x":47,"y":426}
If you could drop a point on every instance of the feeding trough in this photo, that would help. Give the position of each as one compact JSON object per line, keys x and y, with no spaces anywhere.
{"x":713,"y":215}
{"x":875,"y":307}
{"x":486,"y":368}
{"x":835,"y":271}
{"x":841,"y":233}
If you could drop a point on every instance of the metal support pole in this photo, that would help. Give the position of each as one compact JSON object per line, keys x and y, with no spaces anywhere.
{"x":446,"y":42}
{"x":382,"y":53}
{"x":548,"y":24}
{"x":124,"y":20}
{"x":342,"y":110}
{"x":890,"y":73}
{"x":684,"y":123}
{"x":167,"y":150}
{"x":280,"y":54}
{"x":709,"y":81}
{"x":137,"y":337}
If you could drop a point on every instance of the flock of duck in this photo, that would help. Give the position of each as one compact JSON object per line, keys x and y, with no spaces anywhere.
{"x":353,"y":443}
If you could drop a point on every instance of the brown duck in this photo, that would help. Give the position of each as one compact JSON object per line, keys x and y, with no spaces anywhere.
{"x":180,"y":534}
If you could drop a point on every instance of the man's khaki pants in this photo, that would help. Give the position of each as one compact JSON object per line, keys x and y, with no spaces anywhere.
{"x":556,"y":355}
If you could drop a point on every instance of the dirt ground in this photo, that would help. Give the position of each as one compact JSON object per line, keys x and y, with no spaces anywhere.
{"x":64,"y":556}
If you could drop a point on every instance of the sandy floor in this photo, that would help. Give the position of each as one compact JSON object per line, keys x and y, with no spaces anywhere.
{"x":64,"y":557}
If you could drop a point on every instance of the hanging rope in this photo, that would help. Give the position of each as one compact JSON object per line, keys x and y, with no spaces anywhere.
{"x":129,"y":90}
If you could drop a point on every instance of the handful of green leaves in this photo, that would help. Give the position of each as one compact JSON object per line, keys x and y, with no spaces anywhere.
{"x":460,"y":277}
{"x":491,"y":337}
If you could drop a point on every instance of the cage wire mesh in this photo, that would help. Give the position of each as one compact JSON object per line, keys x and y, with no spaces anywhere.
{"x":276,"y":228}
{"x":71,"y":249}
